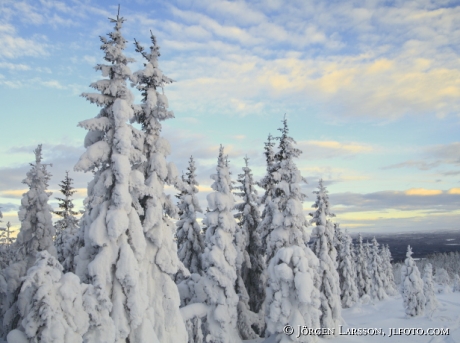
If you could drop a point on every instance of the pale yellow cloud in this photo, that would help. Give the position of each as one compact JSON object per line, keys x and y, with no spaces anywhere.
{"x":453,"y":191}
{"x":14,"y":193}
{"x":348,"y":147}
{"x":239,"y":137}
{"x":370,"y":216}
{"x":380,"y":65}
{"x":17,"y":193}
{"x":422,"y":192}
{"x":204,"y":188}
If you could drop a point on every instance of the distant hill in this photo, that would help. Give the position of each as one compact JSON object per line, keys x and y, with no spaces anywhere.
{"x":422,"y":243}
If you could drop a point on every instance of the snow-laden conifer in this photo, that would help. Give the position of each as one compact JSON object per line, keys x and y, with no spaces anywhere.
{"x":37,"y":231}
{"x":250,"y":279}
{"x":456,"y":286}
{"x":264,"y":226}
{"x":161,"y":262}
{"x":190,"y":240}
{"x":324,"y":249}
{"x":6,"y":235}
{"x":6,"y":240}
{"x":338,"y":235}
{"x":376,"y":271}
{"x":35,"y":234}
{"x":51,"y":304}
{"x":431,"y":303}
{"x":347,"y":272}
{"x":114,"y":245}
{"x":220,"y":260}
{"x":291,"y":295}
{"x":268,"y":184}
{"x":412,"y":287}
{"x":363,"y":278}
{"x":67,"y":229}
{"x":442,"y":279}
{"x":387,"y":277}
{"x":338,"y":242}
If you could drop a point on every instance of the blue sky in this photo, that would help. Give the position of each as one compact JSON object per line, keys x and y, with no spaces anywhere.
{"x":371,"y":90}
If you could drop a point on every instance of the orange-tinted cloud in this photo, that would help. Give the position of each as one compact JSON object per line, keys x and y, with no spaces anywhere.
{"x":423,"y":192}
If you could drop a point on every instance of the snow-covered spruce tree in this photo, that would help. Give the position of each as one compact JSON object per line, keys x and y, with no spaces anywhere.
{"x":377,"y":272}
{"x":51,"y":304}
{"x":250,"y":281}
{"x":442,"y":279}
{"x":161,"y":262}
{"x":412,"y":287}
{"x":338,"y":242}
{"x":388,"y":277}
{"x":6,"y":254}
{"x":190,"y":240}
{"x":268,"y":184}
{"x":264,"y":226}
{"x":67,"y":229}
{"x":324,"y":249}
{"x":113,"y":258}
{"x":220,"y":260}
{"x":456,"y":286}
{"x":363,"y":279}
{"x":431,"y":303}
{"x":347,"y":272}
{"x":36,"y":234}
{"x":8,"y":249}
{"x":6,"y":237}
{"x":291,"y":294}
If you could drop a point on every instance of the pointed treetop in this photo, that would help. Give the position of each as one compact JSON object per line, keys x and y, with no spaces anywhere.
{"x":38,"y":153}
{"x":118,"y":20}
{"x":246,"y":159}
{"x":409,"y":251}
{"x":322,"y":202}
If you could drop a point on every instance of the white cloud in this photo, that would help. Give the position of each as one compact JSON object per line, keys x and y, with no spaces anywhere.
{"x":13,"y":66}
{"x":14,"y":46}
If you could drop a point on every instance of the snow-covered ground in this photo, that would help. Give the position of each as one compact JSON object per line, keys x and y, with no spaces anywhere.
{"x":389,"y":314}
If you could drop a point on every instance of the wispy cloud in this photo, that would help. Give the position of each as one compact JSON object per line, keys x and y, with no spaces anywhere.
{"x":15,"y":46}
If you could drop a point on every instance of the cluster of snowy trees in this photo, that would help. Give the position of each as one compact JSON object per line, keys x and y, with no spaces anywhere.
{"x":126,"y":272}
{"x":419,"y":293}
{"x":6,"y":240}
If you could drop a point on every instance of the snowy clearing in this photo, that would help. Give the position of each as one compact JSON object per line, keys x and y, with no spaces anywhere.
{"x":390,"y":314}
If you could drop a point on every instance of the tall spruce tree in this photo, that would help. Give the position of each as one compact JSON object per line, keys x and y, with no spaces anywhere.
{"x":250,"y":282}
{"x":156,"y":209}
{"x":268,"y":184}
{"x":114,"y":258}
{"x":190,"y":240}
{"x":431,"y":303}
{"x":347,"y":272}
{"x":363,"y":278}
{"x":219,"y":260}
{"x":35,"y":234}
{"x":292,"y":267}
{"x":338,"y":242}
{"x":67,"y":229}
{"x":412,"y":286}
{"x":388,"y":277}
{"x":377,"y":272}
{"x":6,"y":254}
{"x":328,"y":283}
